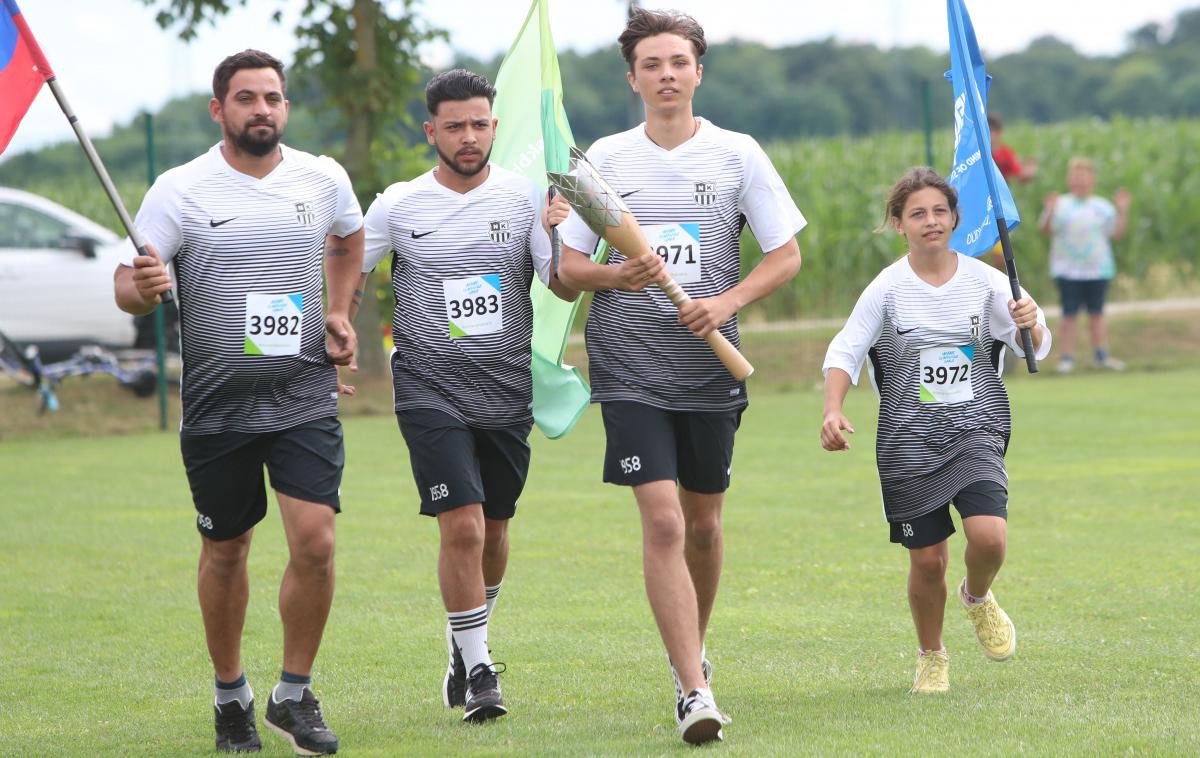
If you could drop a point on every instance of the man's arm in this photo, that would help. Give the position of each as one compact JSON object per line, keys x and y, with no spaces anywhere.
{"x":775,"y":269}
{"x":138,"y":289}
{"x":579,"y":272}
{"x":553,"y":214}
{"x":343,"y":271}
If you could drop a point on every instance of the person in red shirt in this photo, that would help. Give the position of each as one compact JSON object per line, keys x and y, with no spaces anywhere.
{"x":1010,"y":168}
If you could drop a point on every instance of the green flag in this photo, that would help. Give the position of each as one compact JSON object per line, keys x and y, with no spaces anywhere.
{"x":532,"y":138}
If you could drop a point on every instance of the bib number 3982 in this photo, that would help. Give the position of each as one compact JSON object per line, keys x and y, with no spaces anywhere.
{"x":273,"y":323}
{"x":473,"y":305}
{"x":946,"y":374}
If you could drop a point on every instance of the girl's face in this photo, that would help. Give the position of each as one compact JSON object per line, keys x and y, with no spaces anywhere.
{"x":926,"y":221}
{"x":1081,"y":180}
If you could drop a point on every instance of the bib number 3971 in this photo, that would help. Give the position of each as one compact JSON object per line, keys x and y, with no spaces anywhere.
{"x":273,"y":323}
{"x":679,"y":247}
{"x":473,"y":305}
{"x":946,"y":374}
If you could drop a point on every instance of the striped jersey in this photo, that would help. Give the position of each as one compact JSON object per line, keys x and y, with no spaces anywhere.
{"x":248,"y":257}
{"x":944,"y":418}
{"x":692,"y":203}
{"x":461,"y":271}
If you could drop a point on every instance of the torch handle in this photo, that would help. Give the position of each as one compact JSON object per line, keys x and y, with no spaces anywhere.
{"x":630,"y":240}
{"x":730,"y":356}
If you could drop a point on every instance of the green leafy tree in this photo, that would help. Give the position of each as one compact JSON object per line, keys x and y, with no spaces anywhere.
{"x":363,"y":57}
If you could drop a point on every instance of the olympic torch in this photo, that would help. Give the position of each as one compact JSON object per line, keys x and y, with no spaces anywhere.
{"x":605,"y":213}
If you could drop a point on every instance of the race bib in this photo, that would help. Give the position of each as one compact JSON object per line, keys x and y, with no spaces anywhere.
{"x":946,"y":374}
{"x":473,"y":305}
{"x":679,"y":246}
{"x":273,"y":324}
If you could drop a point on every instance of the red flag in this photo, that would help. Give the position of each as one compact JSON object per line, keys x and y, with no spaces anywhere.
{"x":23,"y":69}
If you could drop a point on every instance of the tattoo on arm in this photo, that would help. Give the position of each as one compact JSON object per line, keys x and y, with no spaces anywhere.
{"x":357,"y":299}
{"x":336,"y":252}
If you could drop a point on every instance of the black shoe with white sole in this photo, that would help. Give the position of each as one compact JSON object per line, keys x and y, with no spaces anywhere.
{"x":236,"y":731}
{"x":483,"y":694}
{"x":300,"y":722}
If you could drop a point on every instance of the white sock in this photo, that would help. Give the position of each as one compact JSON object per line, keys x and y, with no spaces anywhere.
{"x":491,"y":595}
{"x":967,"y":596}
{"x":470,"y":634}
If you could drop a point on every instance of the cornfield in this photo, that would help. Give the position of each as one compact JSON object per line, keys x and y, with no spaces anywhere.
{"x":840,"y":184}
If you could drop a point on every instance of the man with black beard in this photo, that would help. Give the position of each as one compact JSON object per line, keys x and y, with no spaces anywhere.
{"x":249,"y":226}
{"x":467,"y":238}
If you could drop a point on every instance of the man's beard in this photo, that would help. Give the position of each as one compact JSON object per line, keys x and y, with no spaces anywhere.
{"x":458,"y":168}
{"x":247,"y":142}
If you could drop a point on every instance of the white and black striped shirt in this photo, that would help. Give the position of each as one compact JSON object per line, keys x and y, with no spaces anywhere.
{"x":462,"y":267}
{"x":944,"y":418}
{"x":692,"y":202}
{"x":244,"y":248}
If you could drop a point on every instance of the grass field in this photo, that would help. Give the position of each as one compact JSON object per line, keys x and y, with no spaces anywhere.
{"x":103,"y":652}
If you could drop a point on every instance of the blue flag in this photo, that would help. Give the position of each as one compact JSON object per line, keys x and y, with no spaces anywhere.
{"x":980,"y":186}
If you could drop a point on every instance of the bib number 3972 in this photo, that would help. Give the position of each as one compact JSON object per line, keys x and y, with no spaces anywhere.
{"x":946,"y":374}
{"x":473,"y":305}
{"x":273,"y":323}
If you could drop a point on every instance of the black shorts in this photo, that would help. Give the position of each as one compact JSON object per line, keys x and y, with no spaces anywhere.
{"x":981,"y":498}
{"x":455,"y":464}
{"x":1076,"y":292}
{"x":648,"y":444}
{"x":225,"y":471}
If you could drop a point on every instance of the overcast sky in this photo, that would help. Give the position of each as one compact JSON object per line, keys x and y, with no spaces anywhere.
{"x":113,"y":61}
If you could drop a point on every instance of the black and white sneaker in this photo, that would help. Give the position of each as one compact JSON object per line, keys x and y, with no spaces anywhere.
{"x":236,"y":732}
{"x":454,"y":685}
{"x":300,"y":722}
{"x":705,"y":668}
{"x":702,"y":720}
{"x":483,"y":694}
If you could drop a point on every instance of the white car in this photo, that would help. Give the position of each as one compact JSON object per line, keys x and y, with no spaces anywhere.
{"x":56,"y":277}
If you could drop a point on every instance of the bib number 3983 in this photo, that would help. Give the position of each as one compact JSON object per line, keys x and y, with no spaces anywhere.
{"x":273,"y":323}
{"x":473,"y":305}
{"x":679,"y":247}
{"x":946,"y":374}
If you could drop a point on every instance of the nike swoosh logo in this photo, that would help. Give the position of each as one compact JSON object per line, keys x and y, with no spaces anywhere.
{"x":627,"y":194}
{"x":215,"y":224}
{"x":906,"y":331}
{"x":422,"y":234}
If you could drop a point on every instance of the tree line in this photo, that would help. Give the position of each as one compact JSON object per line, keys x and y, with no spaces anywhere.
{"x":811,"y":89}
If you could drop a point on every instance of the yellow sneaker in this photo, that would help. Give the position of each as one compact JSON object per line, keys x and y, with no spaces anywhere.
{"x":993,"y":628}
{"x":933,"y":673}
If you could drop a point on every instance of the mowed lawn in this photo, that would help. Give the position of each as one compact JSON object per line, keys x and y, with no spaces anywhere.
{"x":102,"y":652}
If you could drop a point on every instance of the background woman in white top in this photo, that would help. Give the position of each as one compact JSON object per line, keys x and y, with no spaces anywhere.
{"x":933,"y":324}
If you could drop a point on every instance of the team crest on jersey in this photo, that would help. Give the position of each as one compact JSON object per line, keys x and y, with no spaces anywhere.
{"x":499,"y":232}
{"x":975,"y":327}
{"x":304,"y":214}
{"x":705,"y":194}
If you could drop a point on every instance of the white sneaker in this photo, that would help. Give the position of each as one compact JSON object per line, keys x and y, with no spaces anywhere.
{"x":1112,"y":364}
{"x":1065,"y":365}
{"x":706,"y":669}
{"x":701,"y":718}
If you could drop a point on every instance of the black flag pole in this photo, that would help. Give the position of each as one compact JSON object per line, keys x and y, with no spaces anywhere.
{"x":1010,"y":266}
{"x":110,"y":189}
{"x":975,"y":105}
